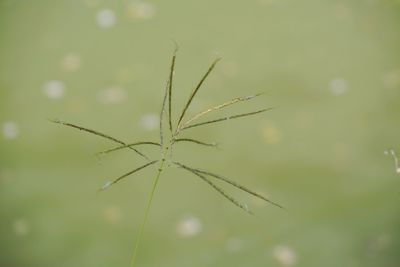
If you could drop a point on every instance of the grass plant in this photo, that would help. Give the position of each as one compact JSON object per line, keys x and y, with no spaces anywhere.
{"x":171,"y":136}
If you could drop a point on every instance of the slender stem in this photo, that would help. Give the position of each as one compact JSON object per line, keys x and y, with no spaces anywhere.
{"x":146,"y":214}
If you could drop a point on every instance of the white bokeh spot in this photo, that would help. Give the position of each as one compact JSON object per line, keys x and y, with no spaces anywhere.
{"x":54,"y":89}
{"x":112,"y":95}
{"x":10,"y":130}
{"x":105,"y":18}
{"x":189,"y":227}
{"x":149,"y":122}
{"x":338,"y":86}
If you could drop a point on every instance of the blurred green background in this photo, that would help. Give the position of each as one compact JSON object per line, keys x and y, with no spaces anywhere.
{"x":331,"y":67}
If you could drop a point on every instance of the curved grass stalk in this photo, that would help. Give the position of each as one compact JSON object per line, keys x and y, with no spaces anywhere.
{"x":147,"y":210}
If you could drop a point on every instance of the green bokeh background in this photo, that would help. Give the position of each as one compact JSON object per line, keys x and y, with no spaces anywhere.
{"x":331,"y":67}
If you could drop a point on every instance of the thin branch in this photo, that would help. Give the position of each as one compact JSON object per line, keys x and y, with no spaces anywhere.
{"x":98,"y":134}
{"x":227,"y":118}
{"x":197,"y":89}
{"x":110,"y":183}
{"x":220,"y":190}
{"x":195,"y":141}
{"x":229,"y":181}
{"x":226,"y":104}
{"x":126,"y":146}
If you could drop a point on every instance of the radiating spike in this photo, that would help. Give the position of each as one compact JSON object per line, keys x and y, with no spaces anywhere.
{"x":194,"y":141}
{"x":221,"y":106}
{"x":128,"y":146}
{"x":98,"y":134}
{"x":219,"y":189}
{"x":196,"y":90}
{"x":226,"y":118}
{"x":108,"y":184}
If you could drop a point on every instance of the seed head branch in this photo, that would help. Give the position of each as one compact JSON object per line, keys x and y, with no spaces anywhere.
{"x":194,"y":141}
{"x":245,"y":189}
{"x":98,"y":134}
{"x":226,"y":118}
{"x":221,"y":106}
{"x":108,"y":184}
{"x":196,"y":90}
{"x":128,"y":146}
{"x":171,"y":74}
{"x":219,"y":189}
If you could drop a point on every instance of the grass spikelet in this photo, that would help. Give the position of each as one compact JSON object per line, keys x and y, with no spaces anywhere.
{"x":218,"y":107}
{"x":219,"y":189}
{"x":128,"y":146}
{"x":98,"y":134}
{"x":162,"y":115}
{"x":245,"y":189}
{"x":171,"y":75}
{"x":194,"y":141}
{"x":196,"y":90}
{"x":227,"y":118}
{"x":108,"y":184}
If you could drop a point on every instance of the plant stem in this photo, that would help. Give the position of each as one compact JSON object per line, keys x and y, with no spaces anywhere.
{"x":146,"y":214}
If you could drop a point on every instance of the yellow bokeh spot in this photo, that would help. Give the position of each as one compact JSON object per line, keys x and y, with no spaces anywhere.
{"x":112,"y":214}
{"x":272,"y":135}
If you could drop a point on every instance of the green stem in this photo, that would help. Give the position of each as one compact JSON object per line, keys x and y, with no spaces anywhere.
{"x":135,"y":250}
